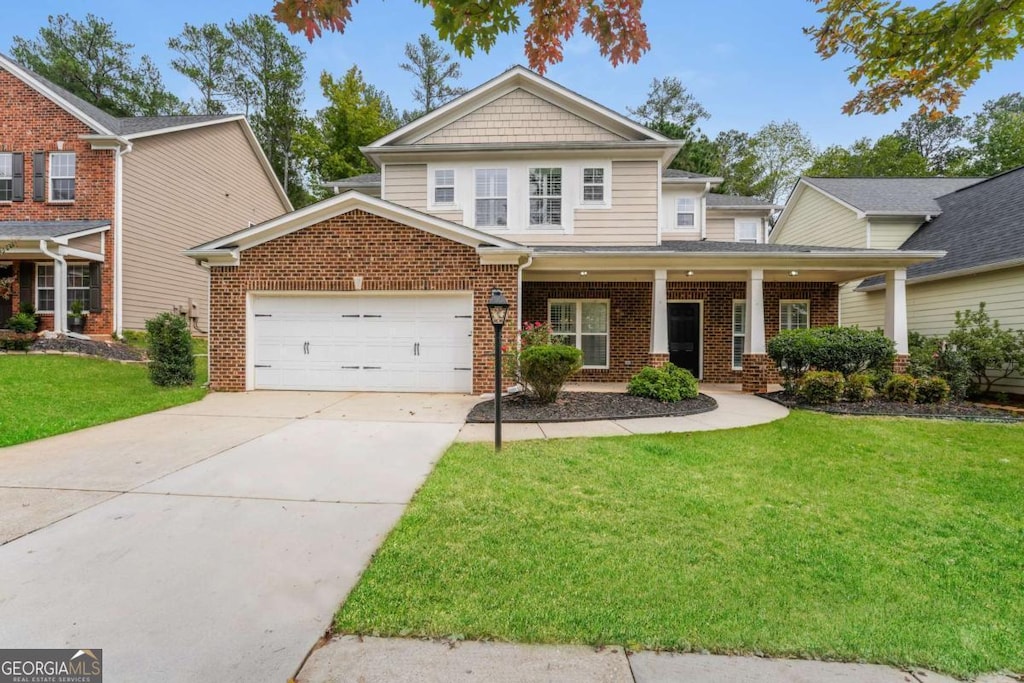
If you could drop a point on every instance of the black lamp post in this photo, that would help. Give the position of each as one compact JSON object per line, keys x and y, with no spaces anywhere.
{"x":497,"y":308}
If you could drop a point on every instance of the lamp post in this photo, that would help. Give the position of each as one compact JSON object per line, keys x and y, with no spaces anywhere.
{"x":497,"y":308}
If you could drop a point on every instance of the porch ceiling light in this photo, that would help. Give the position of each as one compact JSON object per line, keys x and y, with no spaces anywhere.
{"x":583,"y":273}
{"x":794,"y":273}
{"x":689,"y":273}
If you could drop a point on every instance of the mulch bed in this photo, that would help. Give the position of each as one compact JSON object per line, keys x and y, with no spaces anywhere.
{"x":88,"y":347}
{"x":582,"y":406}
{"x":954,"y":410}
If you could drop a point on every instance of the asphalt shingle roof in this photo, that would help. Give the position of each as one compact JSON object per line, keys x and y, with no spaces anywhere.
{"x":45,"y":229}
{"x":364,"y":180}
{"x":981,"y":224}
{"x":892,"y":195}
{"x":676,"y":173}
{"x":715,"y":199}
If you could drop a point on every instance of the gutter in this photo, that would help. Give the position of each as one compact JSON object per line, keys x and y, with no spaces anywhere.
{"x":704,"y":211}
{"x":60,"y":289}
{"x":118,"y":232}
{"x":975,"y":270}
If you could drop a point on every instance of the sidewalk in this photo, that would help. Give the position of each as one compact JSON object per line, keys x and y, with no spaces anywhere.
{"x":399,"y":660}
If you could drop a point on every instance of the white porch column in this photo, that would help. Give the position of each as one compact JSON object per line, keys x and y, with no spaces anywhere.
{"x":659,"y":313}
{"x":896,"y":309}
{"x":755,"y":341}
{"x":60,"y":296}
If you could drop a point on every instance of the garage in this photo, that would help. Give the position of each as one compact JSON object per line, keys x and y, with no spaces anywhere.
{"x":392,"y":341}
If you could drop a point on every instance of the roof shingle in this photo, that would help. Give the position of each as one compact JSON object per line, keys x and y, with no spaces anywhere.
{"x":11,"y":230}
{"x":891,"y":195}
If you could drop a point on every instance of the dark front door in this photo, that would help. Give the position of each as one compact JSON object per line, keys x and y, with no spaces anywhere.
{"x":684,"y":336}
{"x":6,"y":305}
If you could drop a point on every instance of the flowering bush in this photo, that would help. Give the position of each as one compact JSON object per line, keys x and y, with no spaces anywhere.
{"x":532,"y":370}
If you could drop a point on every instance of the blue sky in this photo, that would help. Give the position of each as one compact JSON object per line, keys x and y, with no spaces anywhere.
{"x":747,"y":61}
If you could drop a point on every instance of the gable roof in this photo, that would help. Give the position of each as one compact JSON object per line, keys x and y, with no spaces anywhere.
{"x":716,"y":200}
{"x":890,"y":196}
{"x":29,"y":230}
{"x":980,"y":227}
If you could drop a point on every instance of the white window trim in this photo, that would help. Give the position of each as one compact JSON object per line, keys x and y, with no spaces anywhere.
{"x":10,"y":177}
{"x":782,"y":304}
{"x":508,"y":191}
{"x":432,"y":185}
{"x":758,"y":237}
{"x":50,"y":178}
{"x":560,"y":226}
{"x":742,"y":335}
{"x":35,"y":282}
{"x":68,"y":288}
{"x":675,"y":214}
{"x":579,"y":327}
{"x":606,"y":203}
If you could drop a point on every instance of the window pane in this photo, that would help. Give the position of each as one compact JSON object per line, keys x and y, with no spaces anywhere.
{"x":595,"y":317}
{"x":564,"y":339}
{"x":444,"y":195}
{"x":44,"y":276}
{"x":63,"y":189}
{"x":45,"y":300}
{"x":684,"y":219}
{"x":748,"y":231}
{"x":595,"y":349}
{"x":62,"y":165}
{"x":737,"y":352}
{"x":444,"y":177}
{"x":593,"y":193}
{"x":78,"y":276}
{"x":491,"y":212}
{"x":78,"y":295}
{"x":593,"y":175}
{"x":686,"y":205}
{"x":6,"y":190}
{"x":6,"y":165}
{"x":739,"y":317}
{"x":491,"y":182}
{"x":794,"y":315}
{"x":563,"y":318}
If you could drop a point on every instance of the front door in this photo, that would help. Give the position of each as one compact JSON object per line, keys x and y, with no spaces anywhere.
{"x":6,"y":305}
{"x":684,"y":336}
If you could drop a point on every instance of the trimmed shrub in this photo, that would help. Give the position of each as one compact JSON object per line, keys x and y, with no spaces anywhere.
{"x":850,"y":350}
{"x":858,"y":388}
{"x":932,"y":390}
{"x":821,"y":386}
{"x":793,"y":352}
{"x":879,"y":378}
{"x":901,"y":388}
{"x":667,"y":384}
{"x":23,"y":323}
{"x":546,"y":367}
{"x":170,"y":351}
{"x":18,"y":341}
{"x":952,"y":365}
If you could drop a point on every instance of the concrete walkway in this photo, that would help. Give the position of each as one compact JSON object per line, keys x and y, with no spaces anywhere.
{"x":735,"y":409}
{"x":399,"y":660}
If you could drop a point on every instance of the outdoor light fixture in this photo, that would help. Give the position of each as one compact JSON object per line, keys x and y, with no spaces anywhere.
{"x":497,"y":309}
{"x":689,"y":273}
{"x":583,"y":273}
{"x":794,"y":273}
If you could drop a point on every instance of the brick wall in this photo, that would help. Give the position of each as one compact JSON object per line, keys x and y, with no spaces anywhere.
{"x":326,"y":256}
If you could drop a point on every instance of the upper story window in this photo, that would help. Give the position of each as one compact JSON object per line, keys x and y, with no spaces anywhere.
{"x":6,"y":177}
{"x":545,"y":196}
{"x":686,"y":212}
{"x":593,"y":186}
{"x":747,"y":230}
{"x":444,"y":186}
{"x":62,"y":176}
{"x":794,"y":315}
{"x":491,"y":205}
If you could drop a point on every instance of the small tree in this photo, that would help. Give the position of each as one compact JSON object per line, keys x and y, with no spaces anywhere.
{"x":992,"y":351}
{"x":170,"y":351}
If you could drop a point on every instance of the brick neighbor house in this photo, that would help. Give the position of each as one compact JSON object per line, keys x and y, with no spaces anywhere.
{"x":568,"y":208}
{"x":98,"y":209}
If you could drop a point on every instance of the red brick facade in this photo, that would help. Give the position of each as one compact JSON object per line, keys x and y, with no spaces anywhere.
{"x":32,"y":123}
{"x":326,"y":256}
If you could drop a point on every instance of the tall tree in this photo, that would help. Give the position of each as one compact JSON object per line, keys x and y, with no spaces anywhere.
{"x":356,"y":114}
{"x":736,"y":163}
{"x":783,"y":150}
{"x":86,"y":58}
{"x":997,"y":136}
{"x":435,"y":72}
{"x":469,"y":25}
{"x":668,"y":101}
{"x":205,"y":57}
{"x":937,"y":140}
{"x":889,"y":156}
{"x":933,"y":54}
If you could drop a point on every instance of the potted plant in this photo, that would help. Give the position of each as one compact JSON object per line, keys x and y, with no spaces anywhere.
{"x":76,"y":318}
{"x":28,"y":308}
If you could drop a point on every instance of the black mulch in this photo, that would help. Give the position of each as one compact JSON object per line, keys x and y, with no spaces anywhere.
{"x":954,"y":410}
{"x":110,"y":350}
{"x":581,"y":406}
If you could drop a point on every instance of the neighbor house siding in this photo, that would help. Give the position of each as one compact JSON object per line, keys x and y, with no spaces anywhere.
{"x":817,"y":220}
{"x":183,"y":189}
{"x":518,"y":117}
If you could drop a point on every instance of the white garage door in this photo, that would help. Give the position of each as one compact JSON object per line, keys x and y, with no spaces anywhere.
{"x":364,"y":342}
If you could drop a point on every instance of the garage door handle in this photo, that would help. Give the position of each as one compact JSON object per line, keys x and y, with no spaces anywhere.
{"x":373,"y":316}
{"x":371,"y":367}
{"x":464,"y":316}
{"x":349,"y":367}
{"x":416,"y":349}
{"x":349,"y":315}
{"x":264,"y":315}
{"x":261,"y":366}
{"x":467,"y":369}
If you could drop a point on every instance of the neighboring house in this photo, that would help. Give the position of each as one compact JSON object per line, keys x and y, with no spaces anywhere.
{"x":978,"y":222}
{"x":564,"y":205}
{"x":100,"y":208}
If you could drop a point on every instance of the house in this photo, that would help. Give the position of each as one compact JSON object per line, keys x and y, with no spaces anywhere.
{"x":98,"y":209}
{"x":567,"y":207}
{"x":976,"y":221}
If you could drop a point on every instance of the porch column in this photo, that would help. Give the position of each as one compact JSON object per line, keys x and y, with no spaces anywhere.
{"x":659,"y":314}
{"x":60,"y":297}
{"x":756,"y":365}
{"x":896,"y":314}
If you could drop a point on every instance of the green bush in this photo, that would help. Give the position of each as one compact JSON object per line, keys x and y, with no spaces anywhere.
{"x":170,"y":351}
{"x":858,"y":387}
{"x":850,"y":350}
{"x":901,"y":388}
{"x":992,"y":352}
{"x":22,"y":323}
{"x":932,"y":390}
{"x":546,"y":367}
{"x":27,"y":307}
{"x":821,"y":386}
{"x":667,"y":384}
{"x":18,"y":341}
{"x":793,"y":352}
{"x":879,"y":378}
{"x":952,"y":366}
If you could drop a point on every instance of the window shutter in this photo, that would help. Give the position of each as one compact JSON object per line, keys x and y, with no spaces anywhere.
{"x":27,"y":282}
{"x":18,"y":177}
{"x":95,"y":287}
{"x":38,"y":176}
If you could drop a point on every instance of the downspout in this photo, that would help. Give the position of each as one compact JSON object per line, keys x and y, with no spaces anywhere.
{"x":519,"y":294}
{"x":126,"y":148}
{"x":704,"y":212}
{"x":60,"y":289}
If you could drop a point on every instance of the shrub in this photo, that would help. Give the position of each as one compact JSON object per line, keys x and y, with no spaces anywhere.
{"x":667,"y":384}
{"x":901,"y":388}
{"x":879,"y":378}
{"x":850,"y":350}
{"x":546,"y":367}
{"x":992,"y":352}
{"x":932,"y":390}
{"x":22,"y":323}
{"x":27,"y":307}
{"x":532,"y":334}
{"x":793,"y":352}
{"x":952,"y":366}
{"x":821,"y":386}
{"x":858,"y":388}
{"x":170,"y":351}
{"x":18,"y":341}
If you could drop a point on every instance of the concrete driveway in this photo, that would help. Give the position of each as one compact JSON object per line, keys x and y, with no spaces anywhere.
{"x":213,"y":541}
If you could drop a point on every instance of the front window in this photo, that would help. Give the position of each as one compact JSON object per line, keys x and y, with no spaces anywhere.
{"x":491,"y":197}
{"x":593,"y":185}
{"x":747,"y":231}
{"x":6,"y":177}
{"x":545,"y":196}
{"x":78,"y":286}
{"x":794,"y":315}
{"x":62,"y":177}
{"x":444,"y":186}
{"x":583,"y":324}
{"x":44,"y":288}
{"x":739,"y":332}
{"x":686,"y":212}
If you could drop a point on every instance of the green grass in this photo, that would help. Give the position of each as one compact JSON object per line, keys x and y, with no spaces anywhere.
{"x":46,"y":395}
{"x":890,"y":541}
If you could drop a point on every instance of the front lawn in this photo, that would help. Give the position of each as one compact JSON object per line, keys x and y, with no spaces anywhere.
{"x":46,"y":395}
{"x":891,"y":541}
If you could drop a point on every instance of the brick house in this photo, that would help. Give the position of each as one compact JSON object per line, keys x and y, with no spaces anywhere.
{"x":97,"y":209}
{"x":568,"y":208}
